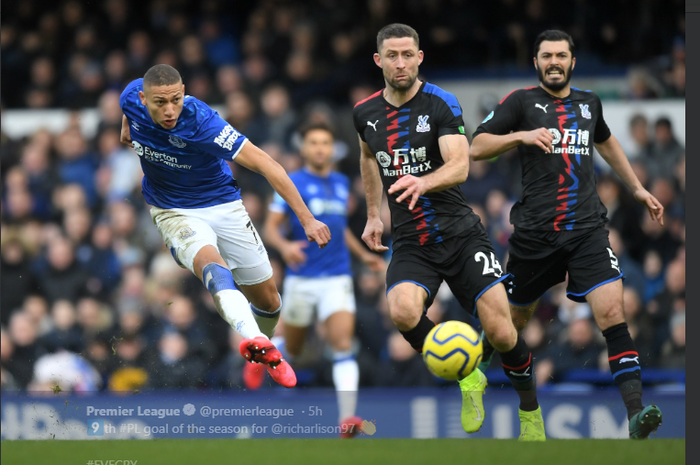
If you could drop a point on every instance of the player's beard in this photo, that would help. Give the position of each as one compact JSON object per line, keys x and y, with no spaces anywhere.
{"x":556,"y":86}
{"x":401,"y":86}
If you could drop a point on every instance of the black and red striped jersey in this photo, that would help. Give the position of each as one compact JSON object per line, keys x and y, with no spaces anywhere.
{"x":404,"y":141}
{"x":559,"y":188}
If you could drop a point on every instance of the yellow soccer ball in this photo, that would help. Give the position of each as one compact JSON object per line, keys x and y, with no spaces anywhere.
{"x":452,"y":350}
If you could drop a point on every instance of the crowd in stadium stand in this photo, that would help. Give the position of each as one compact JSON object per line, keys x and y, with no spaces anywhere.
{"x":86,"y":281}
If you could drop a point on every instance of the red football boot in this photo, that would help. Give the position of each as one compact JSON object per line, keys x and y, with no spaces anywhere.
{"x":253,"y":375}
{"x":350,"y":427}
{"x":261,"y":350}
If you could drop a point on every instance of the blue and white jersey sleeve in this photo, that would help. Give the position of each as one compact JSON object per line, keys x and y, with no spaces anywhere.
{"x":215,"y":136}
{"x":279,"y":205}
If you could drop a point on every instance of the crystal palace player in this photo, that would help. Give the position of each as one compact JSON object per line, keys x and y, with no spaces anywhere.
{"x":413,"y":143}
{"x":559,"y":223}
{"x":196,"y":205}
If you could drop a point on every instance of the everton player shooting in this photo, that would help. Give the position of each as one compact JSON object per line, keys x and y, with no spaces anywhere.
{"x":196,"y":204}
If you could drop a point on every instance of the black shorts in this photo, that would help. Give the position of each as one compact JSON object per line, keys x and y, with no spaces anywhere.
{"x":539,"y":260}
{"x":467,"y":263}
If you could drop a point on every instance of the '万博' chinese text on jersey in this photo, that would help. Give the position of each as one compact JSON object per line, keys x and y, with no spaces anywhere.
{"x":183,"y":167}
{"x":404,"y":141}
{"x":559,"y":188}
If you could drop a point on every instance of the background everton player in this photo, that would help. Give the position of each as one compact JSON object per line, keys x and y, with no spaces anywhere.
{"x":320,"y":281}
{"x":559,"y":223}
{"x":414,"y":147}
{"x":196,"y":205}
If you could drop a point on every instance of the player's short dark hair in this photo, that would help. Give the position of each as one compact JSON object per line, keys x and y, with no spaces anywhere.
{"x":397,"y":31}
{"x":161,"y":75}
{"x":316,"y":125}
{"x":553,"y":35}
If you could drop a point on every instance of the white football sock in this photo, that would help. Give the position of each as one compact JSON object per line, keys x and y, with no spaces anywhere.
{"x":346,"y":378}
{"x":234,"y":308}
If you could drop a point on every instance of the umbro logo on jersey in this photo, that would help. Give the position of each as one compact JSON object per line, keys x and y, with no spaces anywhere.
{"x":423,"y":125}
{"x":177,"y":142}
{"x":584,"y":111}
{"x":543,"y":108}
{"x":374,"y":125}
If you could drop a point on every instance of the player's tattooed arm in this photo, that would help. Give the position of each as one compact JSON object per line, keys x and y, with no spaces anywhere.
{"x":372,"y":181}
{"x":454,"y":149}
{"x":125,"y":136}
{"x":257,"y":160}
{"x":614,"y":155}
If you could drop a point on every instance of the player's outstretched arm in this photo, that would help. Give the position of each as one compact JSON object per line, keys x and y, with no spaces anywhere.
{"x":292,"y":251}
{"x":486,"y":146}
{"x":125,"y":136}
{"x":257,"y":160}
{"x":614,"y":155}
{"x":374,"y":228}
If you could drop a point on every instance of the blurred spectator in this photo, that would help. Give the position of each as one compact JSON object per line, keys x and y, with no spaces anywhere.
{"x":277,"y":120}
{"x":173,"y":366}
{"x":404,"y":366}
{"x":229,"y":373}
{"x":631,"y":269}
{"x":65,"y":334}
{"x":76,"y":164}
{"x":578,"y":350}
{"x":673,"y":350}
{"x":641,"y":141}
{"x":665,"y":151}
{"x":64,"y":371}
{"x":23,"y":335}
{"x":63,"y":277}
{"x":17,"y":279}
{"x":7,"y":379}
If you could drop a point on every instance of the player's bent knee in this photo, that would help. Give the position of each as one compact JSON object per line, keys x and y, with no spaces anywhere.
{"x":217,"y":278}
{"x":404,"y":317}
{"x":610,"y":316}
{"x":502,"y":337}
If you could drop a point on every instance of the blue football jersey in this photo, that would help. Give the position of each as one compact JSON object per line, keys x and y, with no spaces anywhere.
{"x":183,"y":167}
{"x":327,"y":199}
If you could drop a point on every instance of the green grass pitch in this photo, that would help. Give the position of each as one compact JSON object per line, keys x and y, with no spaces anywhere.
{"x":360,"y":451}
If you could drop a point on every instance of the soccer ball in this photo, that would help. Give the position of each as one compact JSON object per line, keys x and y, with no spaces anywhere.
{"x":452,"y":350}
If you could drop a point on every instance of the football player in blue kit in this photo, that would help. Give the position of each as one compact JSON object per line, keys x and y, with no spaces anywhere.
{"x":183,"y":146}
{"x":320,"y":281}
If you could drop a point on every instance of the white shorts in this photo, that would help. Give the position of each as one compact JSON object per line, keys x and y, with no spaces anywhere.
{"x":324,"y":295}
{"x":226,"y":227}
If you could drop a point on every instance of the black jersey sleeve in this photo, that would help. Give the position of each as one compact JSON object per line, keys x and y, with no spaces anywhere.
{"x":505,"y":117}
{"x":602,"y":131}
{"x":356,"y":121}
{"x":449,"y":117}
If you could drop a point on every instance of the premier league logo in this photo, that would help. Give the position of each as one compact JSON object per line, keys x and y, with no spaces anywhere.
{"x":584,"y":111}
{"x":177,"y":142}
